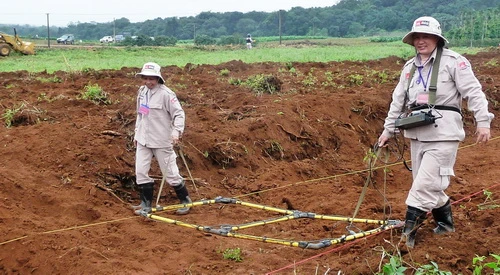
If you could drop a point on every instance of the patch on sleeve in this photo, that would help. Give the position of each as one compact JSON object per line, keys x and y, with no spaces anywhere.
{"x":463,"y":65}
{"x":407,"y":76}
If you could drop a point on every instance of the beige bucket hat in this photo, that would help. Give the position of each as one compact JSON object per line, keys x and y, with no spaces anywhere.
{"x":151,"y":69}
{"x":424,"y":24}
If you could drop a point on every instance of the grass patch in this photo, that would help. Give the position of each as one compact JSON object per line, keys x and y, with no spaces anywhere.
{"x":99,"y":57}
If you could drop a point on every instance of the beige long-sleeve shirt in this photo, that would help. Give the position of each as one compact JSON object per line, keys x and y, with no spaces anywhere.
{"x":159,"y":117}
{"x":456,"y":82}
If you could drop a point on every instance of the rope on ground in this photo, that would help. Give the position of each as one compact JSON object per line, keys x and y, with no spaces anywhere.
{"x":385,"y":166}
{"x":67,"y":229}
{"x":248,"y":194}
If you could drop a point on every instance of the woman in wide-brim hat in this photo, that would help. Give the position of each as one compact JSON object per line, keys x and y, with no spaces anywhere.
{"x":434,"y":145}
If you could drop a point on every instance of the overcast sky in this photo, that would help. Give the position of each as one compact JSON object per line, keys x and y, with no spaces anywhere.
{"x":63,"y":12}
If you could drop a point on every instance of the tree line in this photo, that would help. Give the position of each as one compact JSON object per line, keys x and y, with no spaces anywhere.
{"x":463,"y":22}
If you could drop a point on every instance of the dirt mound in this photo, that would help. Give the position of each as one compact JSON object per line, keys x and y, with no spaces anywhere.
{"x":298,"y":142}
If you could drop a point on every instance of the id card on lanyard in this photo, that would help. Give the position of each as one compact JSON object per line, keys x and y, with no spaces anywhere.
{"x":144,"y":108}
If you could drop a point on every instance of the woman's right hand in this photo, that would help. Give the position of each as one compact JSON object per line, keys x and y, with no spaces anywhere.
{"x":382,"y":141}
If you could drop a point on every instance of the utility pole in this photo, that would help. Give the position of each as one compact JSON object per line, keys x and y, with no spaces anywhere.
{"x":114,"y":31}
{"x":48,"y":32}
{"x":279,"y":18}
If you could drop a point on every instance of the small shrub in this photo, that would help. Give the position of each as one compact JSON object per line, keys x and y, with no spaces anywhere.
{"x":394,"y":267}
{"x":489,"y":202}
{"x":202,"y":39}
{"x":230,"y":40}
{"x":9,"y":114}
{"x":24,"y":114}
{"x":310,"y":80}
{"x":431,"y":269}
{"x":95,"y":93}
{"x":235,"y":81}
{"x":478,"y":265}
{"x":224,"y":72}
{"x":233,"y":254}
{"x":261,"y":84}
{"x":355,"y":79}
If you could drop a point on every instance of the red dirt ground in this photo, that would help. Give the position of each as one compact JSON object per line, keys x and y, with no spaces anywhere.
{"x":67,"y":175}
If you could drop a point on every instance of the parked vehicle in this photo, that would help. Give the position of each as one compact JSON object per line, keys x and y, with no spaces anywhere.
{"x":119,"y":37}
{"x":66,"y":39}
{"x":9,"y":42}
{"x":107,"y":39}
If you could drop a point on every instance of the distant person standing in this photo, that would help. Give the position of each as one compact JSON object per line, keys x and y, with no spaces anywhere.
{"x":158,"y":128}
{"x":249,"y":41}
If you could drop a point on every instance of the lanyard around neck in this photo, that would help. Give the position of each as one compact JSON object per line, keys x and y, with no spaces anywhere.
{"x":146,"y":95}
{"x":433,"y":84}
{"x":421,"y":78}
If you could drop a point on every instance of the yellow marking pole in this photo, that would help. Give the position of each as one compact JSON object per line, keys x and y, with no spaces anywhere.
{"x":264,"y":207}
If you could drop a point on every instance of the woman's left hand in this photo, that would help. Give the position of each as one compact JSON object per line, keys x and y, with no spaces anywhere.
{"x":483,"y":135}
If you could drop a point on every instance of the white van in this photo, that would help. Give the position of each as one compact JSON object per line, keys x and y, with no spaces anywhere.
{"x":107,"y":39}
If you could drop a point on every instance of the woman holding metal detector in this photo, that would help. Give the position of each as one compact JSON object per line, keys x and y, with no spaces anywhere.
{"x":426,"y":105}
{"x":158,"y":128}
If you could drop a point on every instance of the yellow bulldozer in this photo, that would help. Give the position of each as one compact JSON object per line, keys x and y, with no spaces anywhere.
{"x":9,"y":43}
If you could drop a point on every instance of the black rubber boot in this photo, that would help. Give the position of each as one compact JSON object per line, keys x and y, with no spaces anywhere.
{"x":183,"y":195}
{"x":413,"y":220}
{"x":141,"y":197}
{"x":444,"y":219}
{"x":147,"y":198}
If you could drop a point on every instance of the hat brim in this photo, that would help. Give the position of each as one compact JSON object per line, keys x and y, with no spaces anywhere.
{"x":162,"y":81}
{"x":408,"y":38}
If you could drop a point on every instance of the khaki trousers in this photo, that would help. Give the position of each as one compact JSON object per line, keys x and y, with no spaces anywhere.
{"x":167,"y":160}
{"x":432,"y":166}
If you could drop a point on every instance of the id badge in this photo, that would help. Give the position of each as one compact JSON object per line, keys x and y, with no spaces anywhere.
{"x":144,"y":109}
{"x":422,"y":99}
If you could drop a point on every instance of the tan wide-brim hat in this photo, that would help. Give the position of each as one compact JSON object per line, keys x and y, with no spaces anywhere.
{"x":425,"y":24}
{"x":151,"y":69}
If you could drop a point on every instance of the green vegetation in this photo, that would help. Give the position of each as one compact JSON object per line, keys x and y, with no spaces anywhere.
{"x":464,"y":22}
{"x":95,"y":93}
{"x":393,"y":267}
{"x":431,"y":269}
{"x":489,"y":202}
{"x":233,"y":254}
{"x":479,"y":266}
{"x":396,"y":266}
{"x":224,"y":72}
{"x":9,"y":114}
{"x":98,"y":58}
{"x":22,"y":114}
{"x":262,"y":84}
{"x":53,"y":79}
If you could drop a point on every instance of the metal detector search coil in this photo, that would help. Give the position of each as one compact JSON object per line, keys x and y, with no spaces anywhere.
{"x":415,"y":119}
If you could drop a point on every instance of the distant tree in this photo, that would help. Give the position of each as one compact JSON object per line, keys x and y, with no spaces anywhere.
{"x":246,"y":25}
{"x":172,"y":26}
{"x":355,"y":29}
{"x":122,"y":23}
{"x":213,"y":27}
{"x":461,"y":19}
{"x":144,"y":40}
